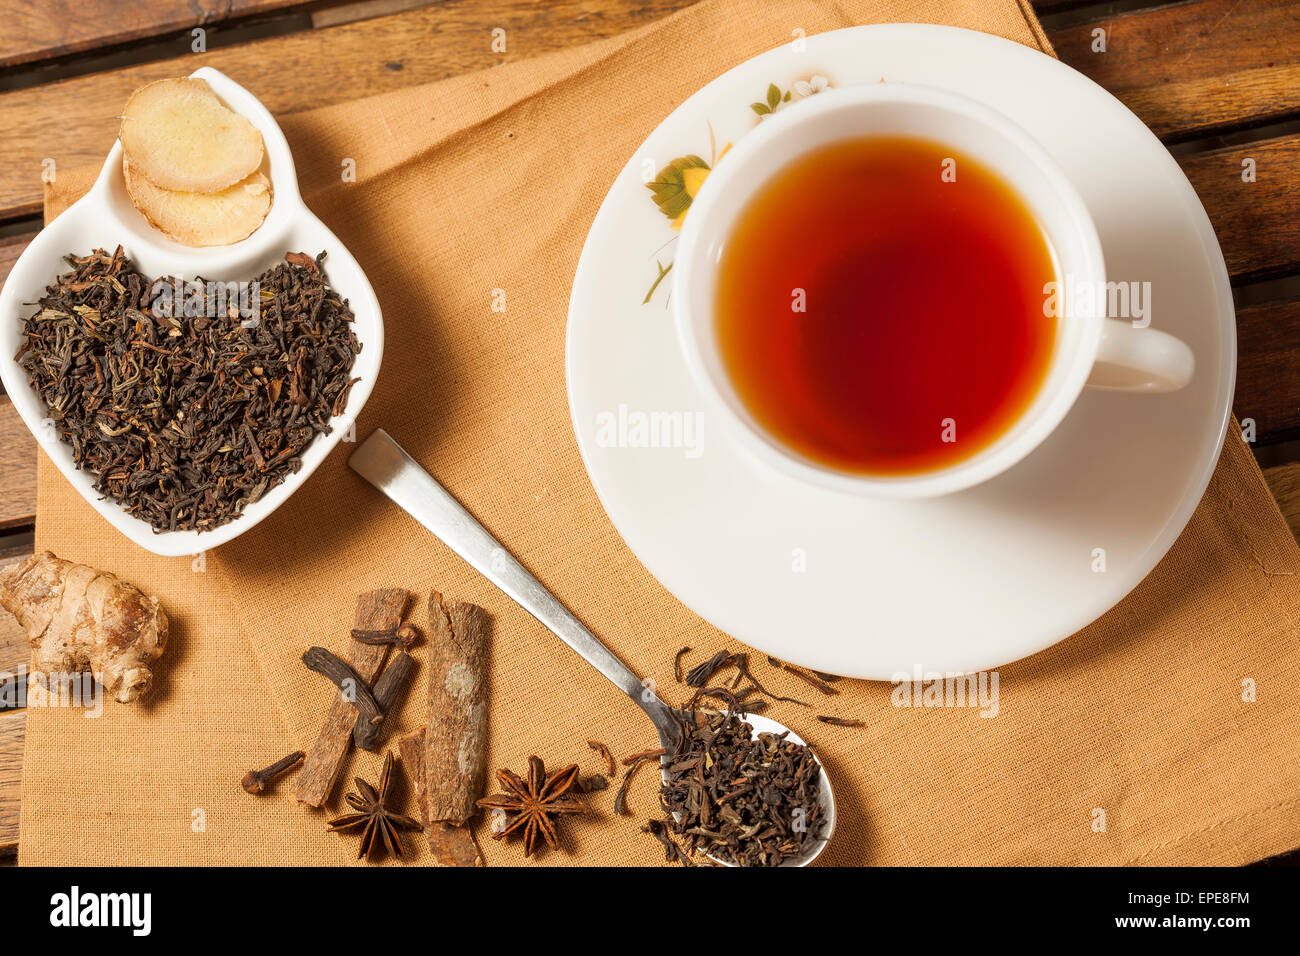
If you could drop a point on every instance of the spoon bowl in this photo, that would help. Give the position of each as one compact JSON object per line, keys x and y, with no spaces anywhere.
{"x":825,"y":796}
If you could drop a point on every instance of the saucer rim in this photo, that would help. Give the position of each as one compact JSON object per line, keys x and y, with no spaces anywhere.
{"x":1213,"y":431}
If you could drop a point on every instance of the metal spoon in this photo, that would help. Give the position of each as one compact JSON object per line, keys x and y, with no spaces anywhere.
{"x":384,"y":463}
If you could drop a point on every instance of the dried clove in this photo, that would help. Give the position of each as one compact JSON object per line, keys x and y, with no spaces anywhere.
{"x":255,"y":781}
{"x":406,"y":635}
{"x":387,"y":690}
{"x":347,"y":680}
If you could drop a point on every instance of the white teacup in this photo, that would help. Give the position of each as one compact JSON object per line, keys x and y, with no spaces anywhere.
{"x":1090,"y":349}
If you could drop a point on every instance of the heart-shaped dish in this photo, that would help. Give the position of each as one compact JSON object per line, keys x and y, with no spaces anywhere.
{"x":104,"y":218}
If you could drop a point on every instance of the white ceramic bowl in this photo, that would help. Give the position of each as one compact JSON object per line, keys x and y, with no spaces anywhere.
{"x":104,"y":218}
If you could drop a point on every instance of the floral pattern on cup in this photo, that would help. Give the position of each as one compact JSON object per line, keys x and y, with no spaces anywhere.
{"x":676,"y":185}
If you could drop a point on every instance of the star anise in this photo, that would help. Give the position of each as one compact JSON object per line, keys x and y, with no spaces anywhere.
{"x":379,"y":825}
{"x":532,"y":803}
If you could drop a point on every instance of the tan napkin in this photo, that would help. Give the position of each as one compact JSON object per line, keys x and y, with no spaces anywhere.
{"x":490,"y":181}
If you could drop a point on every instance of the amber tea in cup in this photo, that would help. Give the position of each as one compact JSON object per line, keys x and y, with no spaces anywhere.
{"x":880,"y":306}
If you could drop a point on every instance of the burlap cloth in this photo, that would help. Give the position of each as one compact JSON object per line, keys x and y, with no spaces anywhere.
{"x":491,"y":181}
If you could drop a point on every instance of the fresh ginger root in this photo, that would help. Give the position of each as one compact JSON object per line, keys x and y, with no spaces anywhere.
{"x":79,"y":619}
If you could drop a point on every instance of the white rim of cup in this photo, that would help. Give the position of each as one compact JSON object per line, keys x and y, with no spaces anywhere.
{"x":1018,"y":441}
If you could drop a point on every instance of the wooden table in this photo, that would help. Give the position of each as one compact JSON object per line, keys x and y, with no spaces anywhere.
{"x":1217,"y":80}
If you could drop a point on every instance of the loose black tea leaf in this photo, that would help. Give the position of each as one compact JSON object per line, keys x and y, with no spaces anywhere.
{"x":188,"y":401}
{"x":743,"y":799}
{"x":841,"y":721}
{"x":699,"y":675}
{"x":633,"y":759}
{"x":608,"y":757}
{"x":809,"y":679}
{"x":677,"y":663}
{"x":743,"y":667}
{"x":672,"y":852}
{"x":633,"y":763}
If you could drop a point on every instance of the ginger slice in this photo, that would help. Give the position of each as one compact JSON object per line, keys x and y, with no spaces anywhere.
{"x":180,"y":136}
{"x":201,"y":219}
{"x":78,"y":619}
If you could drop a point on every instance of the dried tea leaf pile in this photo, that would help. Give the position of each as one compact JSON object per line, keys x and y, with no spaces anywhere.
{"x":186,"y":418}
{"x":751,"y":801}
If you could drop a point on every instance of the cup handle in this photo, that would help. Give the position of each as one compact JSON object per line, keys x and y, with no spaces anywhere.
{"x":1139,"y":359}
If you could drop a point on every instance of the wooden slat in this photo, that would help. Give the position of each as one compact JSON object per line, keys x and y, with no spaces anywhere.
{"x":11,"y":769}
{"x":1258,"y":223}
{"x":13,"y":642}
{"x":54,"y":28}
{"x":299,"y":72}
{"x":1284,"y":482}
{"x":14,"y":546}
{"x":1044,"y":7}
{"x":1268,"y":369}
{"x":17,"y":470}
{"x":362,"y":10}
{"x":14,"y":655}
{"x":11,"y":247}
{"x":1193,"y":68}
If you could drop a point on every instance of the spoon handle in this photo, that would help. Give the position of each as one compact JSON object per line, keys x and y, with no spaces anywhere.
{"x":385,"y":464}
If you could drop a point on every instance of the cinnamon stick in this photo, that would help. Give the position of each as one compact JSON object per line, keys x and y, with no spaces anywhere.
{"x":376,"y":610}
{"x":456,"y":742}
{"x":451,"y":845}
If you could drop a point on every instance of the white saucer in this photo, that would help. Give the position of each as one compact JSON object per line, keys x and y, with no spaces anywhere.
{"x":965,"y":582}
